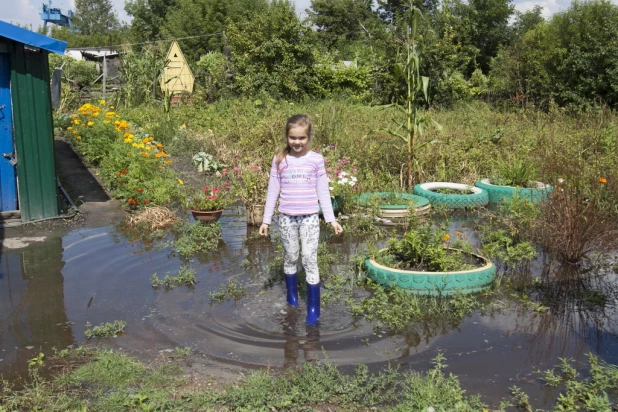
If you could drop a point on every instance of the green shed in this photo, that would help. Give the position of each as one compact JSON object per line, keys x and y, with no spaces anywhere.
{"x":28,"y":185}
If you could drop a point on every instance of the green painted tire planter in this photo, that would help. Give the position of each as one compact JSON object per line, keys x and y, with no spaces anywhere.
{"x":433,"y":283}
{"x":396,"y":211}
{"x":337,"y":203}
{"x":478,"y":198}
{"x":498,"y":193}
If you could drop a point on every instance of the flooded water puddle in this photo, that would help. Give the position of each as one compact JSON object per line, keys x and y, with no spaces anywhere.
{"x":50,"y":290}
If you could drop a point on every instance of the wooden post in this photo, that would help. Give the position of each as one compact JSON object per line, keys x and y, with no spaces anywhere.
{"x":104,"y":76}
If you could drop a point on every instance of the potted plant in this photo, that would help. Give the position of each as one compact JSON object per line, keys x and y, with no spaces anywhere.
{"x":207,"y":205}
{"x":251,"y":186}
{"x":425,"y":262}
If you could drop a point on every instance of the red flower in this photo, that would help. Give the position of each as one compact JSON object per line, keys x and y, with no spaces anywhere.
{"x":228,"y":184}
{"x":224,"y":172}
{"x":206,"y":188}
{"x":140,"y":190}
{"x":213,"y":197}
{"x":146,"y":201}
{"x":215,"y":190}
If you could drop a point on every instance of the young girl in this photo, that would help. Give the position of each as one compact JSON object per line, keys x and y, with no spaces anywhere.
{"x":298,"y":179}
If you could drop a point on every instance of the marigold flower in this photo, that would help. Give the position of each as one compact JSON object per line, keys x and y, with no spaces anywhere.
{"x":140,"y":190}
{"x":77,"y":121}
{"x":146,"y":201}
{"x":458,"y":233}
{"x":602,"y":180}
{"x":181,"y":182}
{"x":102,"y":102}
{"x":69,"y":128}
{"x":79,"y":138}
{"x":446,"y":237}
{"x":90,"y":123}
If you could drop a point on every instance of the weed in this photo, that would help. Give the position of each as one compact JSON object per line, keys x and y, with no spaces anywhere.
{"x":109,"y":368}
{"x":402,"y":311}
{"x":36,"y":361}
{"x":195,"y":237}
{"x":186,"y":276}
{"x":105,"y":330}
{"x":231,"y":290}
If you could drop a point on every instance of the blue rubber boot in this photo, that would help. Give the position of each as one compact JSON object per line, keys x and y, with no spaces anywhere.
{"x":313,"y":304}
{"x":291,"y":283}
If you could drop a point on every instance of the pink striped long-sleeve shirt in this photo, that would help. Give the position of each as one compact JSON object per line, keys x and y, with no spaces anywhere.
{"x":299,"y":183}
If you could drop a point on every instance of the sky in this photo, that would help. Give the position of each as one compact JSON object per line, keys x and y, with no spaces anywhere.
{"x":27,"y":11}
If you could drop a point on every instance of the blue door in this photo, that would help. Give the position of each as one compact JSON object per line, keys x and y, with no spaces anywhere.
{"x":8,"y":183}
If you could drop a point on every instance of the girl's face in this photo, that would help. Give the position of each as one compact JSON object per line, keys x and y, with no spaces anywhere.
{"x":298,"y":140}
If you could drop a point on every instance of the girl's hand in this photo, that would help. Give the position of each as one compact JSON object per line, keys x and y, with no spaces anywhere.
{"x":264,"y":229}
{"x":336,"y":227}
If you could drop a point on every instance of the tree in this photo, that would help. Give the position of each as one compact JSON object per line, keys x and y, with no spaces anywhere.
{"x":491,"y":21}
{"x":94,"y":17}
{"x":205,"y":21}
{"x":342,"y":21}
{"x":148,"y":17}
{"x":273,"y":53}
{"x":528,"y":20}
{"x":391,"y":10}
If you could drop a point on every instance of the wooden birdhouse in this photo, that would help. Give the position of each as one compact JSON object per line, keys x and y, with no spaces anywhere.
{"x":177,"y":76}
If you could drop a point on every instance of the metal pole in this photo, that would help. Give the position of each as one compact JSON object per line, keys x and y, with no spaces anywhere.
{"x":104,"y":76}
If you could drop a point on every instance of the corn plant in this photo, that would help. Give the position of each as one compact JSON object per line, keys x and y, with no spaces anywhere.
{"x":410,"y":129}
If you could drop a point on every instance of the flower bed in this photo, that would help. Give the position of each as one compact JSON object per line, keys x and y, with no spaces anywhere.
{"x":132,"y":163}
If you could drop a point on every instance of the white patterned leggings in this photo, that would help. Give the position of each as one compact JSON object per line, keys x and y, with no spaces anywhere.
{"x":309,"y":228}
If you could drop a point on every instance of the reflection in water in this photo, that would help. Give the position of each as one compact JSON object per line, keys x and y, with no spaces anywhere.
{"x":32,"y":313}
{"x":293,"y":342}
{"x":581,"y":311}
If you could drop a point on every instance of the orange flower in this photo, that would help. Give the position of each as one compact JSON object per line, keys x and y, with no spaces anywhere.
{"x":140,"y":190}
{"x":602,"y":180}
{"x":458,"y":233}
{"x":446,"y":237}
{"x":79,"y":138}
{"x":145,"y":201}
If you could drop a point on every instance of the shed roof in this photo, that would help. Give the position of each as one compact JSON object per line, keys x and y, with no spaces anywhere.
{"x":31,"y":38}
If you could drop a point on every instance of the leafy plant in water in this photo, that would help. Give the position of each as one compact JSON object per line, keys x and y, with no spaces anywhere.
{"x":411,"y":128}
{"x":36,"y":361}
{"x":195,"y":237}
{"x":231,"y":290}
{"x":105,"y":330}
{"x":186,"y":276}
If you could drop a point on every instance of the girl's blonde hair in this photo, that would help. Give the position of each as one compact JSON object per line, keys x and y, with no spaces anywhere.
{"x":294,"y":121}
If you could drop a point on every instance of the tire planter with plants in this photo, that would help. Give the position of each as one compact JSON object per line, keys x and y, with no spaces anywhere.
{"x":498,"y":193}
{"x":421,"y":204}
{"x":434,"y":283}
{"x":337,"y":203}
{"x":477,"y":198}
{"x":207,"y":215}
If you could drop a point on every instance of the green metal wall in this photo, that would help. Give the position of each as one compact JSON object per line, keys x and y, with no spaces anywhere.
{"x":34,"y":133}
